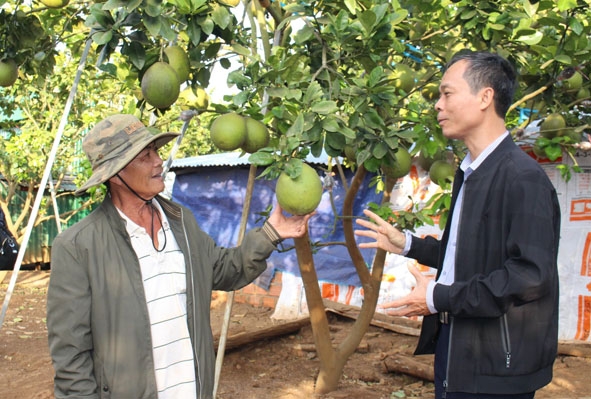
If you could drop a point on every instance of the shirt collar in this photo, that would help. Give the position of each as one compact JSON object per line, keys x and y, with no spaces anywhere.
{"x":468,"y":165}
{"x":133,"y":228}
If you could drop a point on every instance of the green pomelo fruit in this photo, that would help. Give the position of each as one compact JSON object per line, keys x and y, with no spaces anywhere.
{"x":8,"y":72}
{"x":160,"y":85}
{"x":539,"y":151}
{"x":552,"y":126}
{"x":228,"y":131}
{"x":191,"y":98}
{"x":441,"y":172}
{"x":257,"y":136}
{"x":572,"y":134}
{"x":583,"y":93}
{"x":229,"y":3}
{"x":402,"y":163}
{"x":417,"y":30}
{"x":573,"y":83}
{"x":179,"y":60}
{"x":301,"y":195}
{"x":430,"y":91}
{"x":425,"y":162}
{"x":404,"y":77}
{"x":55,"y":3}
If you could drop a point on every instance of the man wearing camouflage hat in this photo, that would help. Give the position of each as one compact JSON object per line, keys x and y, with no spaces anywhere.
{"x":128,"y":305}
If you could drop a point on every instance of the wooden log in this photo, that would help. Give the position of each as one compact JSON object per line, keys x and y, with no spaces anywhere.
{"x":574,"y":348}
{"x":401,"y":325}
{"x":399,"y":363}
{"x":247,"y":337}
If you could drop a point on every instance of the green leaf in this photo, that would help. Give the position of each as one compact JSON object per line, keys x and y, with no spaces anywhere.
{"x":225,"y":63}
{"x":373,"y":120}
{"x":335,"y":141}
{"x":166,"y":30}
{"x":564,"y":5}
{"x":293,"y":168}
{"x":152,"y":24}
{"x":196,"y":6}
{"x":183,"y":6}
{"x":348,"y":133}
{"x":380,"y":150}
{"x":280,"y":92}
{"x":114,"y":4}
{"x":241,"y":50}
{"x":297,"y":128}
{"x":313,"y":93}
{"x":576,"y":26}
{"x":351,"y":6}
{"x":260,"y":158}
{"x":102,"y":17}
{"x":102,"y":37}
{"x":525,"y":36}
{"x":304,"y":34}
{"x":207,"y":25}
{"x":325,"y":107}
{"x":553,"y":152}
{"x":221,"y":16}
{"x":368,"y":20}
{"x":238,"y":78}
{"x":530,"y":8}
{"x":398,"y":17}
{"x":496,"y":26}
{"x":331,"y":124}
{"x":153,"y":8}
{"x":240,"y":99}
{"x":564,"y":59}
{"x":194,"y":31}
{"x":468,"y":14}
{"x":136,"y":53}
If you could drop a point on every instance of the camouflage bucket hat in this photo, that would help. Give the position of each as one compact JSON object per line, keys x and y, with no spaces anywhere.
{"x":114,"y":142}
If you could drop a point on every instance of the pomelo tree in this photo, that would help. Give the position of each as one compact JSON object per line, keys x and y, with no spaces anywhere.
{"x":352,"y":76}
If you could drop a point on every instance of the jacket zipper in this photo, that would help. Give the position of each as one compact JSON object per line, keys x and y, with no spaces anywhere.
{"x":189,"y":271}
{"x":506,"y":340}
{"x":445,"y":383}
{"x":451,"y":322}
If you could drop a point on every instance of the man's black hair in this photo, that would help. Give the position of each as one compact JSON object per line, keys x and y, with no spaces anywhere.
{"x":487,"y":69}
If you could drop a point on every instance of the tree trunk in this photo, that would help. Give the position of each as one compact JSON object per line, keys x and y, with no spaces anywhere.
{"x":333,"y":360}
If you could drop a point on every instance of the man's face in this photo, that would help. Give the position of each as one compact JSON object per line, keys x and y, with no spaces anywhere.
{"x":458,"y":109}
{"x":144,"y":172}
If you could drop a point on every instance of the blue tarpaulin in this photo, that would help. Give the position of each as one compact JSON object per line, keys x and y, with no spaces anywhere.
{"x":216,"y":196}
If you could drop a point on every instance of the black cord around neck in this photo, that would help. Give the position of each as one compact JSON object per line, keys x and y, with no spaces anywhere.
{"x":150,"y":203}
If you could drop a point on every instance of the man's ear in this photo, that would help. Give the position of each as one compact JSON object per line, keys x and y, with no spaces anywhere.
{"x":487,"y":97}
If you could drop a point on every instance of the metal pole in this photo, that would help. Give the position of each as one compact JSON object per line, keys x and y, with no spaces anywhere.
{"x":219,"y":360}
{"x":44,"y":180}
{"x":185,"y":116}
{"x":56,"y":211}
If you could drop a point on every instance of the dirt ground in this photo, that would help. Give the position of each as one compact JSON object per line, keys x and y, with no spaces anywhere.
{"x":275,"y":368}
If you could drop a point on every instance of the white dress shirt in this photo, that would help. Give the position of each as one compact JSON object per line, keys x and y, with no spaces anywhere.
{"x":447,"y":276}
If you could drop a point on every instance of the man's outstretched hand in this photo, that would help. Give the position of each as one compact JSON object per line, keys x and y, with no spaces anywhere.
{"x":289,"y":227}
{"x":385,"y":236}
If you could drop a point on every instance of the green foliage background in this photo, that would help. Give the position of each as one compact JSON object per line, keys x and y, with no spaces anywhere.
{"x":322,"y":75}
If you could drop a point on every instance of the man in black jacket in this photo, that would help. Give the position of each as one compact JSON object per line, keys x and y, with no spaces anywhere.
{"x":491,"y":315}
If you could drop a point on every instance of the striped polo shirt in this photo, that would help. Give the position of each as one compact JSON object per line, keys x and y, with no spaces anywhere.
{"x":163,"y":275}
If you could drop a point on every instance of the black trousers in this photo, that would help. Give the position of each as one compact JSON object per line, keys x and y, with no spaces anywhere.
{"x":441,"y":352}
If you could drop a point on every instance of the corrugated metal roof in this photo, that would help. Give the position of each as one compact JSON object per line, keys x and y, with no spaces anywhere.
{"x":229,"y":159}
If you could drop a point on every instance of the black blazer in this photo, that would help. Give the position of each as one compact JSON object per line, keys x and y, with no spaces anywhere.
{"x":505,"y":296}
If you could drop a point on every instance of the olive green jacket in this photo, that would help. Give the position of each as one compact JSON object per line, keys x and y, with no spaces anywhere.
{"x":97,"y":317}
